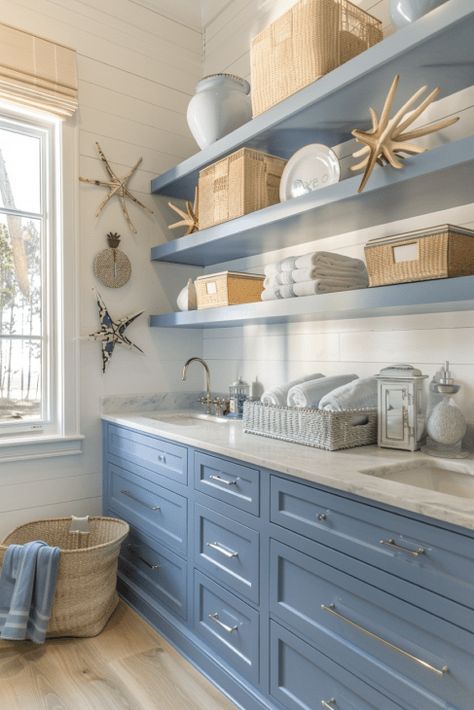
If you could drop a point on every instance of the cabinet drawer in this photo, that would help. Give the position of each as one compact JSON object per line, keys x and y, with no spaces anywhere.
{"x":302,"y":678}
{"x":227,"y":551}
{"x":436,"y":559}
{"x":155,"y":570}
{"x":149,"y":507}
{"x":227,"y":625}
{"x":230,"y":482}
{"x":409,"y":654}
{"x":162,"y":457}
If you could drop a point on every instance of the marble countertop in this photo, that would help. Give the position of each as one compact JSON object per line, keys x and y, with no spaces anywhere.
{"x":341,"y":470}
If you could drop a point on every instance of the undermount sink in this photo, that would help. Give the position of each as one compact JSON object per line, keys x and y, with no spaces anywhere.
{"x":188,"y":419}
{"x":454,"y":481}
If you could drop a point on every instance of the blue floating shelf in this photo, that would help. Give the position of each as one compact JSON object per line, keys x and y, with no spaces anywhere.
{"x":436,"y":296}
{"x":433,"y":181}
{"x":436,"y":50}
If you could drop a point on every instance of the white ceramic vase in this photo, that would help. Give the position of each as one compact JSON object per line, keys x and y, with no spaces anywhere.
{"x":403,"y":12}
{"x":220,"y":105}
{"x":187,"y":300}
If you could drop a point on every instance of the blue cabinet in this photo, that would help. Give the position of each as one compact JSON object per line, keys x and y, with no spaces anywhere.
{"x":287,"y":595}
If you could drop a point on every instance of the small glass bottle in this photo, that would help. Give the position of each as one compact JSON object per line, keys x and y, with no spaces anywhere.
{"x":238,"y":393}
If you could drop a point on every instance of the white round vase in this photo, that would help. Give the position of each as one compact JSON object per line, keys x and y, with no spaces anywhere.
{"x":403,"y":12}
{"x":220,"y":105}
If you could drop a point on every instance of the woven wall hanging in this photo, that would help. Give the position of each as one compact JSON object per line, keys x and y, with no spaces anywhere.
{"x":111,"y":266}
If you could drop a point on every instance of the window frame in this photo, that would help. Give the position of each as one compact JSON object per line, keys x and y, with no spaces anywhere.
{"x":58,"y":433}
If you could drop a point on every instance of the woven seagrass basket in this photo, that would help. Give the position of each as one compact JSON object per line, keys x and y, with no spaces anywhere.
{"x":243,"y":182}
{"x":320,"y":428}
{"x":85,"y":596}
{"x":310,"y":40}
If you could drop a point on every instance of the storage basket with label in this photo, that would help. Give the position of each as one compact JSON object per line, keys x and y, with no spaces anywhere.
{"x":228,"y":288}
{"x":434,"y":253}
{"x":243,"y":182}
{"x":308,"y":41}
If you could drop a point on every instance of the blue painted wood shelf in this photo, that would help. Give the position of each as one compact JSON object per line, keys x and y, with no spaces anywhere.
{"x":441,"y":295}
{"x":433,"y":181}
{"x":436,"y":50}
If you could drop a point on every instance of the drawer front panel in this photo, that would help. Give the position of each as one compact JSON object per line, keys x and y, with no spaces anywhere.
{"x":403,"y":650}
{"x":302,"y":678}
{"x":162,"y":457}
{"x":227,"y":551}
{"x":232,"y":483}
{"x":151,"y":508}
{"x":439,"y":560}
{"x":155,"y":570}
{"x":227,"y":625}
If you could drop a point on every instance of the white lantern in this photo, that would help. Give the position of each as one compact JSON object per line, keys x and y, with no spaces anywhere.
{"x":401,"y":407}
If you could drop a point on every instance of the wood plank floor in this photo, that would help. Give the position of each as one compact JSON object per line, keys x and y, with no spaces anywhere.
{"x":127,"y":667}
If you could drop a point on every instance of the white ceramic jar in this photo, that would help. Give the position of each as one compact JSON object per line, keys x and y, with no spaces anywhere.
{"x":220,"y":105}
{"x":403,"y":12}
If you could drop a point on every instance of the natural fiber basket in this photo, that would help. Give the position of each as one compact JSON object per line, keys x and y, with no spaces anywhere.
{"x":319,"y":428}
{"x":228,"y":288}
{"x":85,"y":596}
{"x":243,"y":182}
{"x":435,"y":253}
{"x":308,"y":41}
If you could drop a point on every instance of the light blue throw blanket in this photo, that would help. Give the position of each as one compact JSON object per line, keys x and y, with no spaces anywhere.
{"x":27,"y":586}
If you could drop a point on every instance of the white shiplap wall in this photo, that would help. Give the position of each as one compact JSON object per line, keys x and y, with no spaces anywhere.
{"x":272,"y":354}
{"x":138,"y":63}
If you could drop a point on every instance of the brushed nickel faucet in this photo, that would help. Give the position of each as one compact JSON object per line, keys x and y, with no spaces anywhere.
{"x":204,"y":400}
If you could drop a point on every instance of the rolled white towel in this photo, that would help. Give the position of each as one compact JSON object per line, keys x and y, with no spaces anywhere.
{"x":287,"y":291}
{"x":271,"y":281}
{"x":309,"y":288}
{"x":309,"y":394}
{"x":358,"y":394}
{"x":285,"y":277}
{"x":270,"y":294}
{"x":288,"y":264}
{"x":328,"y":259}
{"x":277,"y":395}
{"x":272,"y":269}
{"x":315,"y":272}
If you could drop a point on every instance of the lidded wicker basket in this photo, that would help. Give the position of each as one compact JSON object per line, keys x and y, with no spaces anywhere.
{"x":85,"y":596}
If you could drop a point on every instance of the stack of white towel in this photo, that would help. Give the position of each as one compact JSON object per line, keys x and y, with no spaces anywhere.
{"x":336,"y":393}
{"x":317,"y":272}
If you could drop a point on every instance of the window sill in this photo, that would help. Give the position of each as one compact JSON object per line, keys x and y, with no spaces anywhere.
{"x":39,"y":447}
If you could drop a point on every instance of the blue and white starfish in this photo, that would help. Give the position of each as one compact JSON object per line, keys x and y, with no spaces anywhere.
{"x":111,"y":332}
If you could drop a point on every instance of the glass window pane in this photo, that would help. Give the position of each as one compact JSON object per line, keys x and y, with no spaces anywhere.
{"x":20,"y":380}
{"x":20,"y":276}
{"x":20,"y":176}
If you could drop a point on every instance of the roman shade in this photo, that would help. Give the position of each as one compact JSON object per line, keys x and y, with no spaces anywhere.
{"x":37,"y":73}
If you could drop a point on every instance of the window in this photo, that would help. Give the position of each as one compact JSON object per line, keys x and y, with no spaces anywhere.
{"x":37,"y":368}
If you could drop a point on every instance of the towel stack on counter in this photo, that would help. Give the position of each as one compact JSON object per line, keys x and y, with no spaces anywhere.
{"x":336,"y":393}
{"x":317,"y":272}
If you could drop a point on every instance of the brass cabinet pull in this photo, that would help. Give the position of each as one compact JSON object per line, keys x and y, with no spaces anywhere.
{"x":395,"y":546}
{"x":215,"y":618}
{"x":137,"y":500}
{"x":223,"y":550}
{"x":154,"y":565}
{"x":329,"y":704}
{"x":331,"y":609}
{"x":225,"y":481}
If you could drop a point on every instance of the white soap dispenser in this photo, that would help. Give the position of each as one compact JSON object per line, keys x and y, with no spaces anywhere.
{"x":446,"y":425}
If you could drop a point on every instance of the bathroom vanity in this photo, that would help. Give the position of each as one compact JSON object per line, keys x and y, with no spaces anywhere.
{"x":290,"y":577}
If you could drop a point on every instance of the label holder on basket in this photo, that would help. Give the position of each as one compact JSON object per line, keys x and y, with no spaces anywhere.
{"x":79,"y":526}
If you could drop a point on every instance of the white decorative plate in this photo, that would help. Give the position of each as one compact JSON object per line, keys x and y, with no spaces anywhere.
{"x":310,"y":168}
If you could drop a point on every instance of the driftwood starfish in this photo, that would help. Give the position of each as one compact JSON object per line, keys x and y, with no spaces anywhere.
{"x":388,"y":139}
{"x":111,"y":332}
{"x":117,"y":186}
{"x":190,"y":218}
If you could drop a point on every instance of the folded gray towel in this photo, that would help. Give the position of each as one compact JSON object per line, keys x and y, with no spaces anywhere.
{"x":313,"y":273}
{"x":309,"y":394}
{"x":277,"y":395}
{"x":358,"y":394}
{"x":309,"y":288}
{"x":329,"y":260}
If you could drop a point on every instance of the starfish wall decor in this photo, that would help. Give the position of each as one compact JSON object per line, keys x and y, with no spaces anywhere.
{"x":111,"y":332}
{"x":190,"y":218}
{"x":117,"y":186}
{"x":387,"y":141}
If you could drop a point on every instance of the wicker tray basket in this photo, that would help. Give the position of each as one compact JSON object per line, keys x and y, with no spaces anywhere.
{"x":308,"y":41}
{"x":243,"y":182}
{"x":319,"y":428}
{"x":85,"y":596}
{"x":435,"y":253}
